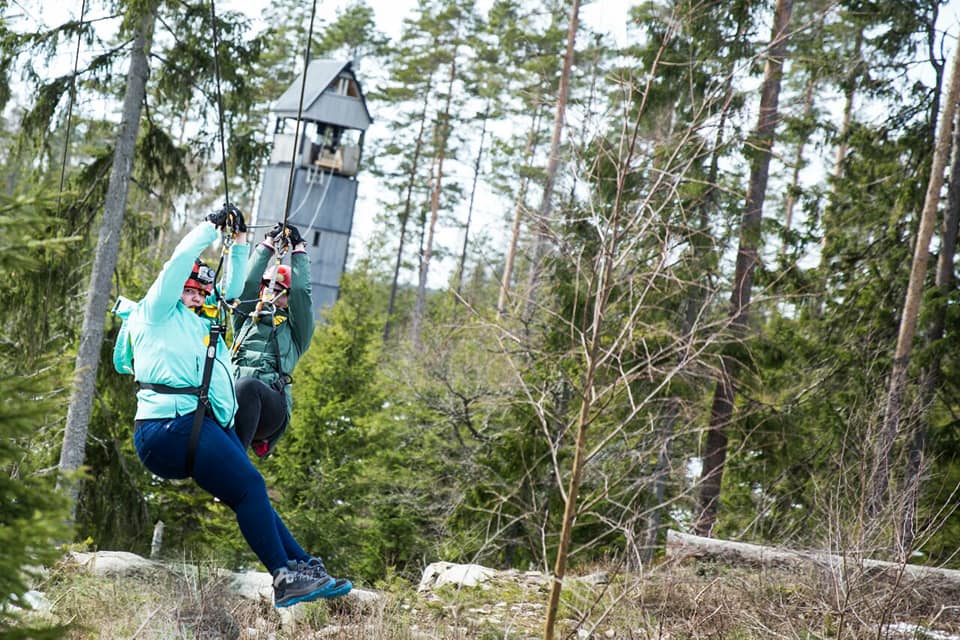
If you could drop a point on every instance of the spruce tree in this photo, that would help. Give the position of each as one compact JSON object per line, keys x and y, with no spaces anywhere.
{"x":32,"y":523}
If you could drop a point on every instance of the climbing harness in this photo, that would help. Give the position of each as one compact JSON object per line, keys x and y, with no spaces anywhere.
{"x":218,"y":326}
{"x":123,"y":351}
{"x":223,"y":307}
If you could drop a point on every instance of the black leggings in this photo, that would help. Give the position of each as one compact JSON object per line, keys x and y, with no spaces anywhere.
{"x":261,"y":410}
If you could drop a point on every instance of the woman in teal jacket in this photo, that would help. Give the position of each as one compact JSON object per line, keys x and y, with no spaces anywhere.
{"x":268,"y":344}
{"x":169,"y":333}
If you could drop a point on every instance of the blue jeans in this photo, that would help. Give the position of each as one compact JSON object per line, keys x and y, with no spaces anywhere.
{"x":222,"y":468}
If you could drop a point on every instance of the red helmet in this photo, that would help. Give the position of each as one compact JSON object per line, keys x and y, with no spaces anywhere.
{"x":283,"y":277}
{"x":201,"y":277}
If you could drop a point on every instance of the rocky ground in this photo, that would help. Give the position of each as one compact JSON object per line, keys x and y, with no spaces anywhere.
{"x":121,"y":595}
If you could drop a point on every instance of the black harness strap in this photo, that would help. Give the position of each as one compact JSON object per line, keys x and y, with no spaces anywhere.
{"x":202,"y":392}
{"x":203,"y":402}
{"x":168,"y":390}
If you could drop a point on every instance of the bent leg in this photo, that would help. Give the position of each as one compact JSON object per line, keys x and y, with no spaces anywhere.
{"x":249,"y":407}
{"x":223,"y":469}
{"x":261,"y":411}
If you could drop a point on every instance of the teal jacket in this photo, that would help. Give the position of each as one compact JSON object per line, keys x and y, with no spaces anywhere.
{"x":169,"y":340}
{"x":287,"y":334}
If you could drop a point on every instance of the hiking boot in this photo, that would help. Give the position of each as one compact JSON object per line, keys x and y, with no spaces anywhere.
{"x":291,"y":587}
{"x":314,"y":567}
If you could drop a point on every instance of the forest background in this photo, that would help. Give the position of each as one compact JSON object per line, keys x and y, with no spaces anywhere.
{"x":725,"y":302}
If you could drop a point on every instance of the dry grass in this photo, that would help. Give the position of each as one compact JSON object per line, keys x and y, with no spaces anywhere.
{"x":693,"y":600}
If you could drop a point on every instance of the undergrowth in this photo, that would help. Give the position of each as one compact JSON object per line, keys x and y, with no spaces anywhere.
{"x":691,"y":600}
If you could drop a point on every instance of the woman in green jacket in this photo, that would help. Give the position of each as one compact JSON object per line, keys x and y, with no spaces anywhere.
{"x":273,"y":329}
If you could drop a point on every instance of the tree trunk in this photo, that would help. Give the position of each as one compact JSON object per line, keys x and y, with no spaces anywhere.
{"x":405,"y":216}
{"x":443,"y":134}
{"x":573,"y":490}
{"x":520,"y":205}
{"x":541,"y":237}
{"x":681,"y":545}
{"x":930,"y":378}
{"x":747,"y":256}
{"x":911,"y":307}
{"x":473,"y":193}
{"x":104,"y":262}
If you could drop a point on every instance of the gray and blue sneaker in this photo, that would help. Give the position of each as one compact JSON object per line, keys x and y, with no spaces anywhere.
{"x":291,"y":587}
{"x":314,"y":567}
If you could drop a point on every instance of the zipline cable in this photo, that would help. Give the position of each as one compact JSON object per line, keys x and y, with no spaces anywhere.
{"x":73,"y":91}
{"x":296,"y":131}
{"x":216,"y":72}
{"x":284,"y":238}
{"x":228,"y":237}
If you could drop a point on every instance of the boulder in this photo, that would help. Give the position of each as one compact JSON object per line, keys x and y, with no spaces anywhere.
{"x":114,"y":563}
{"x":438,"y":574}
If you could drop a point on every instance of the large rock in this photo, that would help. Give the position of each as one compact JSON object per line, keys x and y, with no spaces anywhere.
{"x":438,"y":574}
{"x":114,"y":563}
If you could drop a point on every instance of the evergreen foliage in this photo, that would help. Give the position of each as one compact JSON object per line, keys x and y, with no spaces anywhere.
{"x":461,"y":445}
{"x":32,"y":522}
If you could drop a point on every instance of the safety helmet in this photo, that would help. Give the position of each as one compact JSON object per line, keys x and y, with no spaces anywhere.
{"x":282,"y":280}
{"x":201,"y":277}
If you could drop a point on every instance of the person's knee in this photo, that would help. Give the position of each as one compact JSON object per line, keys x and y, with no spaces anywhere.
{"x":245,"y":386}
{"x":253,"y":483}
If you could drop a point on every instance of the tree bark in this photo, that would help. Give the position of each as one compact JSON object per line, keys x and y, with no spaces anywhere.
{"x":541,"y":239}
{"x":105,"y":261}
{"x":931,"y":375}
{"x":893,"y":410}
{"x":442,"y":135}
{"x":681,"y":545}
{"x":405,"y":216}
{"x":747,"y":256}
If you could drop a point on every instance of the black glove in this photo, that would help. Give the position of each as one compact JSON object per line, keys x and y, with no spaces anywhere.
{"x":219,"y":217}
{"x":228,"y":217}
{"x":275,"y":231}
{"x":293,"y":234}
{"x":239,"y":224}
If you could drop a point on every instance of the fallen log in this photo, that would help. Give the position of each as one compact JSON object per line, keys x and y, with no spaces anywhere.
{"x":684,"y":545}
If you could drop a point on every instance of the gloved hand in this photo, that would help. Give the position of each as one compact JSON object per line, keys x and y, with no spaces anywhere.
{"x":293,"y":234}
{"x":239,"y":224}
{"x":219,"y":217}
{"x":228,"y":217}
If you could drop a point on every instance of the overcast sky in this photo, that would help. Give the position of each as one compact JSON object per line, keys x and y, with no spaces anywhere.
{"x":606,"y":16}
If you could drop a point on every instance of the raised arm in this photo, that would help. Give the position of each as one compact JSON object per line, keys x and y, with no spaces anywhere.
{"x":236,"y":260}
{"x":300,"y":301}
{"x":256,"y":264}
{"x":164,"y":293}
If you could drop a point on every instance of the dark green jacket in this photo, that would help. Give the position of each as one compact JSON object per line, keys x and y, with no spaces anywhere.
{"x":287,"y":333}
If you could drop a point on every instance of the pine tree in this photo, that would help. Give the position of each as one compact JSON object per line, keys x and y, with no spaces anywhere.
{"x":423,"y":78}
{"x":34,"y":514}
{"x":747,"y":255}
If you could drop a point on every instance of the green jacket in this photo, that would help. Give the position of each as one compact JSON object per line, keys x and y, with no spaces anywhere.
{"x":287,"y":334}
